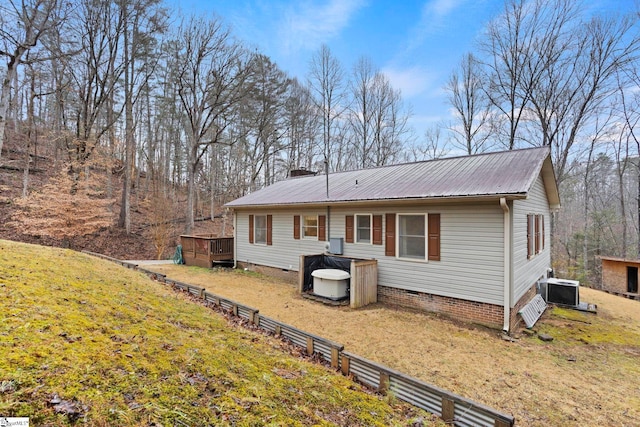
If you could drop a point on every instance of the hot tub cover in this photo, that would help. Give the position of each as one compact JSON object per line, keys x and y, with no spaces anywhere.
{"x":330,"y":274}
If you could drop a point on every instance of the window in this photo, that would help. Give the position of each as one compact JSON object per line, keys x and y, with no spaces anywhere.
{"x":535,"y":235}
{"x":260,"y":229}
{"x":363,"y":228}
{"x":411,"y":236}
{"x":310,"y":227}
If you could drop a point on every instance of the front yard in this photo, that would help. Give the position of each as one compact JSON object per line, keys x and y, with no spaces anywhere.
{"x":588,"y":375}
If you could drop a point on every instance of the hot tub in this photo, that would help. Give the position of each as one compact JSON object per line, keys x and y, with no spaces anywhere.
{"x":331,"y":283}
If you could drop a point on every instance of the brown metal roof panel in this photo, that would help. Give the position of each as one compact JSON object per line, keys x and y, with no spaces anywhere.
{"x":509,"y":172}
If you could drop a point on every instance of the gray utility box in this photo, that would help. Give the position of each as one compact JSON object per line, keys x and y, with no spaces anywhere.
{"x":336,"y":245}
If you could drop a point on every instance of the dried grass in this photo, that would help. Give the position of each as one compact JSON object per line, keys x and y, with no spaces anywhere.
{"x":85,"y":341}
{"x":588,"y":376}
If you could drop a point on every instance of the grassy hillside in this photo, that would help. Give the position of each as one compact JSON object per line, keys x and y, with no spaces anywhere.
{"x":83,"y":339}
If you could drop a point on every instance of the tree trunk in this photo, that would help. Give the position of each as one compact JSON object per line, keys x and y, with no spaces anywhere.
{"x":4,"y":101}
{"x":129,"y":163}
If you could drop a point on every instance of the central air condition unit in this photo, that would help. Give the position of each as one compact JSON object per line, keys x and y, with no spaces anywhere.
{"x":562,"y":291}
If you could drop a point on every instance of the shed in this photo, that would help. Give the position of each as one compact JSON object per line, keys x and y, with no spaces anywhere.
{"x":620,"y":275}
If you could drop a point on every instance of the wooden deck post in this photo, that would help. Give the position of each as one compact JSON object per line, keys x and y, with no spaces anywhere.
{"x":335,"y":357}
{"x":301,"y":275}
{"x":383,"y":384}
{"x":345,"y":365}
{"x":309,"y":346}
{"x":448,"y":410}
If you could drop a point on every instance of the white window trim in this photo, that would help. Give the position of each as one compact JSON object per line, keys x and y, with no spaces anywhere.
{"x":426,"y":237}
{"x":302,"y":227}
{"x":541,"y":237}
{"x":255,"y":229}
{"x":355,"y":229}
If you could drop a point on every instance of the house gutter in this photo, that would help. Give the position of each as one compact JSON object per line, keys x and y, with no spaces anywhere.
{"x":507,"y":263}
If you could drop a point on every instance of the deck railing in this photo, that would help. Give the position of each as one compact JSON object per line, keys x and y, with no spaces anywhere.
{"x":204,"y":250}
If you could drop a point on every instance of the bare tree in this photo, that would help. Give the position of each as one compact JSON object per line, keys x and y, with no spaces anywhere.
{"x":262,"y":112}
{"x":95,"y":78}
{"x":213,"y":69}
{"x":301,"y":122}
{"x":22,"y":25}
{"x":579,"y":79}
{"x":144,"y":20}
{"x":391,"y":130}
{"x":473,"y":127}
{"x":517,"y":44}
{"x":629,"y":111}
{"x":362,"y":110}
{"x":432,"y":148}
{"x":326,"y":82}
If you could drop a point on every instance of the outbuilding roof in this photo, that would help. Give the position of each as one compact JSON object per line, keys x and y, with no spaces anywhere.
{"x":509,"y":174}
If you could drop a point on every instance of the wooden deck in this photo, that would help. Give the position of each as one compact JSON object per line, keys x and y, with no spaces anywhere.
{"x":205,"y":250}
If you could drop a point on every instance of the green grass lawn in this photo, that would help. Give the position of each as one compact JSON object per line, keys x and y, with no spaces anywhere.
{"x":85,"y":340}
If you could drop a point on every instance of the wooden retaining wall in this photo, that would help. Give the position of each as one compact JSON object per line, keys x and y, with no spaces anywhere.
{"x":451,"y":407}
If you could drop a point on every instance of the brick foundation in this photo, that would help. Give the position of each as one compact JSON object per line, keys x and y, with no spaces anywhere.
{"x":288,"y":276}
{"x":489,"y":315}
{"x":469,"y":311}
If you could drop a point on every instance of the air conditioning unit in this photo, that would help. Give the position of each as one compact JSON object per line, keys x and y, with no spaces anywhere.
{"x":562,"y":291}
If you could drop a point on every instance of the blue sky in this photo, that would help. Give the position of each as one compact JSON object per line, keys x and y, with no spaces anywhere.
{"x":416,"y":43}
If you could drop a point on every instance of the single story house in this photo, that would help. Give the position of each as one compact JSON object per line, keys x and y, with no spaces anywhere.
{"x":620,"y":276}
{"x":464,"y":236}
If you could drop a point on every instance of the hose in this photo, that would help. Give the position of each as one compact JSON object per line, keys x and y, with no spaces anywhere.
{"x":177,"y":257}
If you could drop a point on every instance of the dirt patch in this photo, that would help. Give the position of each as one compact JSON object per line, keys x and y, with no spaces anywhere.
{"x":565,"y":382}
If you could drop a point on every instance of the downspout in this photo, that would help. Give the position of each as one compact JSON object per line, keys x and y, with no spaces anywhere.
{"x":235,"y":240}
{"x":328,"y":223}
{"x":507,"y":264}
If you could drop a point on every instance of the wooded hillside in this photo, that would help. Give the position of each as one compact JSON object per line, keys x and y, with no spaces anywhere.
{"x":115,"y":117}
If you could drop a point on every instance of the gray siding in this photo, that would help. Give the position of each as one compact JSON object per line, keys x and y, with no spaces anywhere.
{"x":527,"y":271}
{"x":285,"y":251}
{"x":471,"y":262}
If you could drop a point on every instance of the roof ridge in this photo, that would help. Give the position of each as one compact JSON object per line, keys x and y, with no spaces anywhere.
{"x":462,"y":156}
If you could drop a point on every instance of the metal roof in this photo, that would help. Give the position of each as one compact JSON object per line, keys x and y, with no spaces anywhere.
{"x":502,"y":174}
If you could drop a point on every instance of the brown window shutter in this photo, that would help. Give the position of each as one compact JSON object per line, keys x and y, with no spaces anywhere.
{"x":269,"y":227}
{"x":536,"y":220}
{"x":390,"y":235}
{"x":296,"y":227}
{"x":529,"y":231}
{"x":250,"y":228}
{"x":348,"y":232}
{"x":322,"y":228}
{"x":542,"y":230}
{"x":434,"y":237}
{"x":377,"y":229}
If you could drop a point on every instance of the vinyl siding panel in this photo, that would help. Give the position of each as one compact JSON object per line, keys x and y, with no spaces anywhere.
{"x":527,"y":271}
{"x":471,"y":249}
{"x":285,"y":251}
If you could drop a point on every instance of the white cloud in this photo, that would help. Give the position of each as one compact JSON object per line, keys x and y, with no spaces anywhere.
{"x":439,"y":8}
{"x":433,"y":19}
{"x":306,"y":25}
{"x":411,"y":81}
